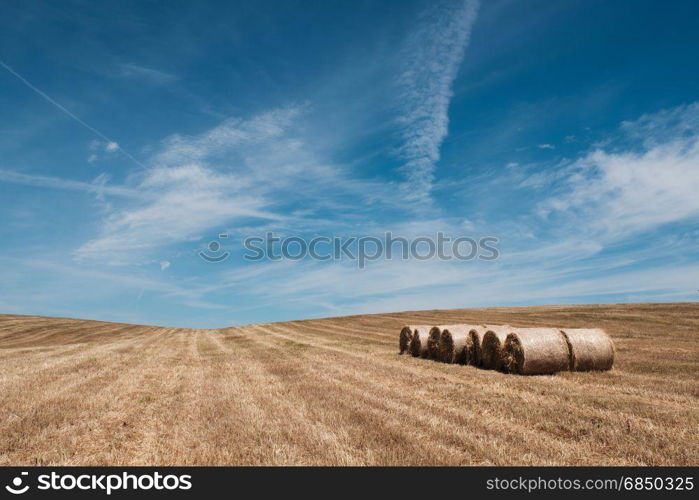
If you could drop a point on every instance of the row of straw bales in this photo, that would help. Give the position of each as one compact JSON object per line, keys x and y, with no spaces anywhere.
{"x":525,"y":351}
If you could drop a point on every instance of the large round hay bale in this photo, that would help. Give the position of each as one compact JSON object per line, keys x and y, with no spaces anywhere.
{"x":530,"y":351}
{"x":590,"y":349}
{"x":473,"y":352}
{"x":418,"y":344}
{"x":491,"y":346}
{"x":452,"y":345}
{"x":433,"y":339}
{"x":406,"y":335}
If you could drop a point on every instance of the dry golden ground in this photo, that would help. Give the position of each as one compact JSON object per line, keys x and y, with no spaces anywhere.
{"x":335,"y":391}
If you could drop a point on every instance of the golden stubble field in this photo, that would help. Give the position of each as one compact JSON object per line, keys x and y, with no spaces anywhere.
{"x":336,"y":392}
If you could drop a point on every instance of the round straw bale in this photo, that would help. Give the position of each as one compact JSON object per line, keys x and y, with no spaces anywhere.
{"x":433,"y":339}
{"x":473,"y":345}
{"x":406,"y":335}
{"x":590,"y":349}
{"x":418,"y":344}
{"x":530,"y":351}
{"x":452,"y":345}
{"x":491,"y":346}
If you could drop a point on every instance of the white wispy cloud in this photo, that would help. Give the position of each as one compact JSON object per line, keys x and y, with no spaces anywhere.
{"x":195,"y":184}
{"x":432,"y":54}
{"x":97,"y":186}
{"x":143,"y":73}
{"x":664,"y":126}
{"x":230,"y":136}
{"x":181,"y":204}
{"x":238,"y":175}
{"x":101,"y":149}
{"x":631,"y":190}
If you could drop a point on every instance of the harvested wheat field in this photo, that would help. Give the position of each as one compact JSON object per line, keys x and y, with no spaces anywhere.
{"x":336,"y":391}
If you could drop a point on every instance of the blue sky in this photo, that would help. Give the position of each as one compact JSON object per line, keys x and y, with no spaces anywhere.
{"x":133,"y":133}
